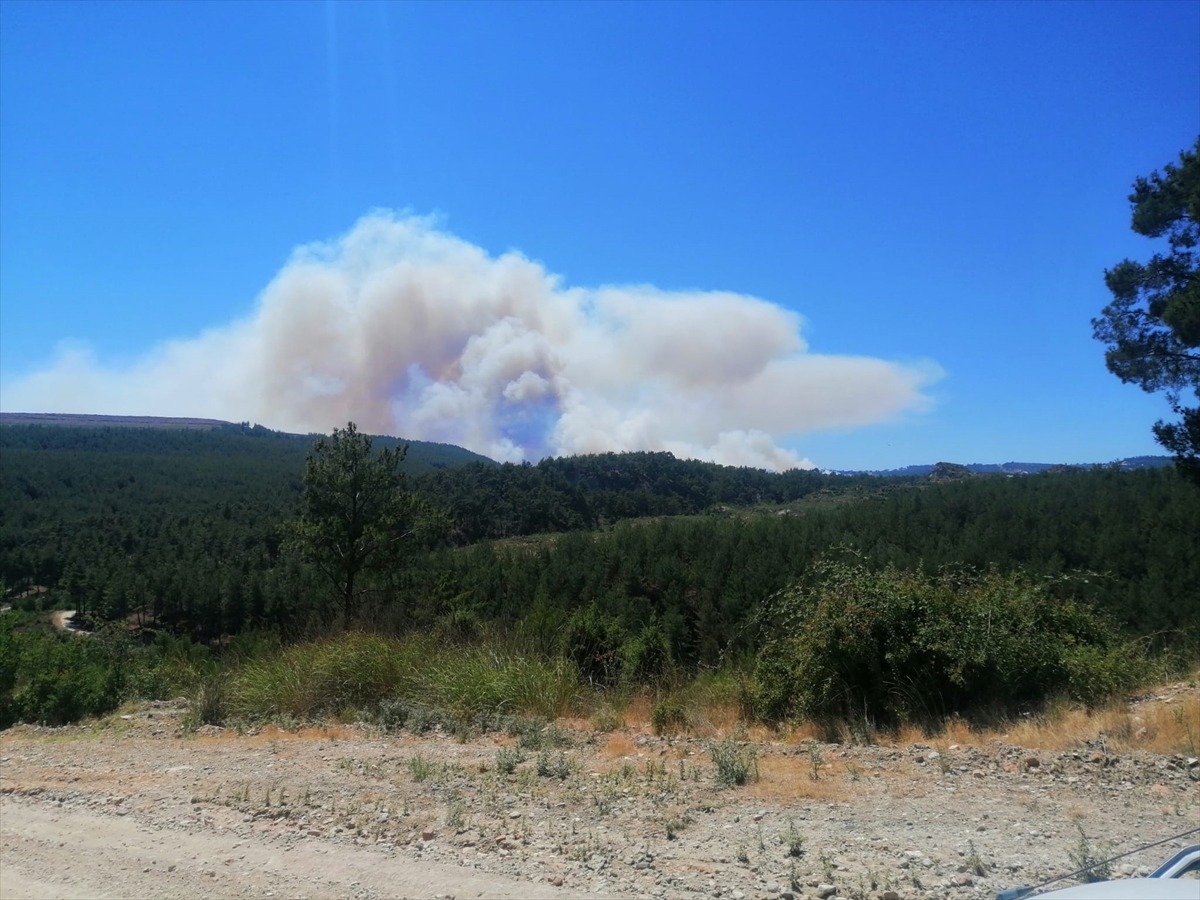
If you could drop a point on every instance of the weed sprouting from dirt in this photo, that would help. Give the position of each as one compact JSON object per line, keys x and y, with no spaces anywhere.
{"x":827,"y":865}
{"x":420,"y":768}
{"x":793,"y":840}
{"x":456,"y":817}
{"x":507,"y":760}
{"x":974,"y":862}
{"x":553,"y":765}
{"x":535,"y":734}
{"x":673,"y":825}
{"x":816,"y":759}
{"x":1090,"y":862}
{"x":736,"y":764}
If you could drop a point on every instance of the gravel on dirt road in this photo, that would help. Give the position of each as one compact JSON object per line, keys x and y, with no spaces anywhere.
{"x":133,"y":807}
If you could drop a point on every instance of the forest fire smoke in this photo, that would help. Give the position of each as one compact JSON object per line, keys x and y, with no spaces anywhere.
{"x":407,"y":329}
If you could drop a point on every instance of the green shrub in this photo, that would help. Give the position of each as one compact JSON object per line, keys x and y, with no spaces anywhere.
{"x":1096,"y":672}
{"x":553,"y":765}
{"x":305,"y":680}
{"x":593,"y":640}
{"x":891,"y":646}
{"x":507,"y":760}
{"x":735,"y":764}
{"x":646,"y":658}
{"x":397,"y":714}
{"x":534,"y":734}
{"x":669,"y":715}
{"x":473,"y":680}
{"x":55,"y":679}
{"x":420,"y":681}
{"x":208,"y":700}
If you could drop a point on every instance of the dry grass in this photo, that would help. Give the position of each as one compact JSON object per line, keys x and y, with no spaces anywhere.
{"x":1158,"y":727}
{"x":788,"y":778}
{"x":618,"y":744}
{"x":308,"y":733}
{"x":960,"y":732}
{"x":1163,"y":726}
{"x":637,"y":712}
{"x":904,"y":736}
{"x":805,"y":731}
{"x":272,"y":734}
{"x":575,"y":724}
{"x":723,"y":716}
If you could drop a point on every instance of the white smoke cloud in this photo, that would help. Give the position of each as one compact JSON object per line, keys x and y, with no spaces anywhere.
{"x":406,"y":329}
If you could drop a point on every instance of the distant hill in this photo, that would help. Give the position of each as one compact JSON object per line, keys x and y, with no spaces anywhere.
{"x":156,"y":435}
{"x":1009,"y":468}
{"x":74,"y":420}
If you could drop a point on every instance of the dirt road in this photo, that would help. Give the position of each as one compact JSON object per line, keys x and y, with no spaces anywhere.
{"x":64,"y":620}
{"x":135,"y":806}
{"x":55,"y":852}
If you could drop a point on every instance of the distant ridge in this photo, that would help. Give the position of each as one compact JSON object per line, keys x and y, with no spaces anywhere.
{"x":1011,"y":468}
{"x":122,"y":433}
{"x":76,"y":420}
{"x":941,"y":470}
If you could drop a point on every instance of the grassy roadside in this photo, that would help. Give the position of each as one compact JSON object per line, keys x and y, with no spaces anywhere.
{"x":416,"y":682}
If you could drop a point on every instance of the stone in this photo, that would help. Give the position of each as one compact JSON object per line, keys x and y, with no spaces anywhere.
{"x":427,"y":834}
{"x":826,"y":890}
{"x":889,"y":895}
{"x":773,"y":887}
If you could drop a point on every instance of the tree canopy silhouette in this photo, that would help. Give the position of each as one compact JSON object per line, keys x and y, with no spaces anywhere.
{"x":1152,"y":326}
{"x":357,"y":514}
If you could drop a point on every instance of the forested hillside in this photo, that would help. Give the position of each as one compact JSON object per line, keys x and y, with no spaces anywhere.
{"x":588,"y":492}
{"x":180,"y":525}
{"x":1128,"y":538}
{"x":181,"y":528}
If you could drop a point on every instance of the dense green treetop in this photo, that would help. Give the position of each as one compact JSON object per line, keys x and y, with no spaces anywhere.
{"x":1152,"y":325}
{"x":357,"y":514}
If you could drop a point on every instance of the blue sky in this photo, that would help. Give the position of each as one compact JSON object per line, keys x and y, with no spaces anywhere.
{"x":939,"y":186}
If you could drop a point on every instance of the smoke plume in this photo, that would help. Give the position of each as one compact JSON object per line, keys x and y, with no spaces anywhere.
{"x":406,"y":329}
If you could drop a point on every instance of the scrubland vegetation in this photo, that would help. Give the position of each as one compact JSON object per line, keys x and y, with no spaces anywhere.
{"x":694,"y":597}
